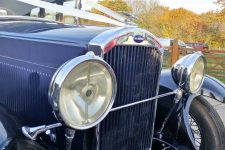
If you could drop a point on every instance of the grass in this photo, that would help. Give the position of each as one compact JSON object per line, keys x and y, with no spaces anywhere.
{"x":223,"y":80}
{"x":215,"y":65}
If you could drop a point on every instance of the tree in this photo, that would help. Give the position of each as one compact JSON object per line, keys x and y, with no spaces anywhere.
{"x":116,"y":5}
{"x":221,"y":2}
{"x":185,"y":25}
{"x":176,"y":23}
{"x":141,"y":6}
{"x":151,"y":19}
{"x":215,"y":32}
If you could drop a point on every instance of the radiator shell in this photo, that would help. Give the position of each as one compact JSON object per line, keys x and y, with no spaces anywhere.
{"x":137,"y":70}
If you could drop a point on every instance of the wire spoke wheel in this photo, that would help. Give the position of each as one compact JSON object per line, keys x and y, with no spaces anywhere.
{"x":195,"y":128}
{"x":206,"y":126}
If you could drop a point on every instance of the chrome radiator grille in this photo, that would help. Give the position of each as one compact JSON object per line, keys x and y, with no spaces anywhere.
{"x":137,"y":71}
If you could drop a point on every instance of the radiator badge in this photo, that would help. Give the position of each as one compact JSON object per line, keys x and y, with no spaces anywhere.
{"x":139,"y":38}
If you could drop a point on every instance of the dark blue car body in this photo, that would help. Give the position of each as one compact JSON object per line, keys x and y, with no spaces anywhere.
{"x":30,"y":53}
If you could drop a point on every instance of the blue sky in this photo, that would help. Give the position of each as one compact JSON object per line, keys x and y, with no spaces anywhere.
{"x":197,"y":6}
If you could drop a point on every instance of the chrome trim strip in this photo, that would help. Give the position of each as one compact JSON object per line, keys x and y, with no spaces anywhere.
{"x":145,"y":100}
{"x":27,"y":18}
{"x":103,"y":39}
{"x":97,"y":136}
{"x":156,"y":103}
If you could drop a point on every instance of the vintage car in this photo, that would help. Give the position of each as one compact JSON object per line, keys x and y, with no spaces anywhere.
{"x":85,"y":87}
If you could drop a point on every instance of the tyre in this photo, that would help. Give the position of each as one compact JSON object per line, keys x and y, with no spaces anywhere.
{"x":206,"y":125}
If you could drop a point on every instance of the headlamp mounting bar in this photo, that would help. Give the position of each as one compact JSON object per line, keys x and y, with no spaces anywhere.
{"x":33,"y":132}
{"x":177,"y":91}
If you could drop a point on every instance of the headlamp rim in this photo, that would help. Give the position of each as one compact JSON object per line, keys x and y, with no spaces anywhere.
{"x":61,"y":74}
{"x":203,"y":77}
{"x":182,"y":71}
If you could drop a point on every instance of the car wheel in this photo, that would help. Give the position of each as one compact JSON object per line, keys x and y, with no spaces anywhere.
{"x":206,"y":125}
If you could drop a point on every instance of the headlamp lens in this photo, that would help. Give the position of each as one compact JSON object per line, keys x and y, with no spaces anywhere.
{"x":197,"y":75}
{"x":82,"y":91}
{"x":85,"y":93}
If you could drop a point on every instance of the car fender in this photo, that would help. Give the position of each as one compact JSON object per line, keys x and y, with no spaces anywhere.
{"x":185,"y":117}
{"x":211,"y":87}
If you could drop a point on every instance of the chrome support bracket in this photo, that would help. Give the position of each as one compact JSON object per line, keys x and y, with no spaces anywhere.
{"x":33,"y":132}
{"x":69,"y":134}
{"x":177,"y":98}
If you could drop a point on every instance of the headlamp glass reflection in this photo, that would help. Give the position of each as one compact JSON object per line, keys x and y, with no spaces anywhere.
{"x":85,"y":93}
{"x":197,"y":74}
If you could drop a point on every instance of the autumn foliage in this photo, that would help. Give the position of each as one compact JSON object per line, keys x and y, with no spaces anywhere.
{"x":176,"y":23}
{"x":115,"y":5}
{"x":185,"y":25}
{"x":221,"y":2}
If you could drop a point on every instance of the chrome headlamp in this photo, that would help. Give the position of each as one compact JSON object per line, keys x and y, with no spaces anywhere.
{"x":82,"y":91}
{"x":189,"y":72}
